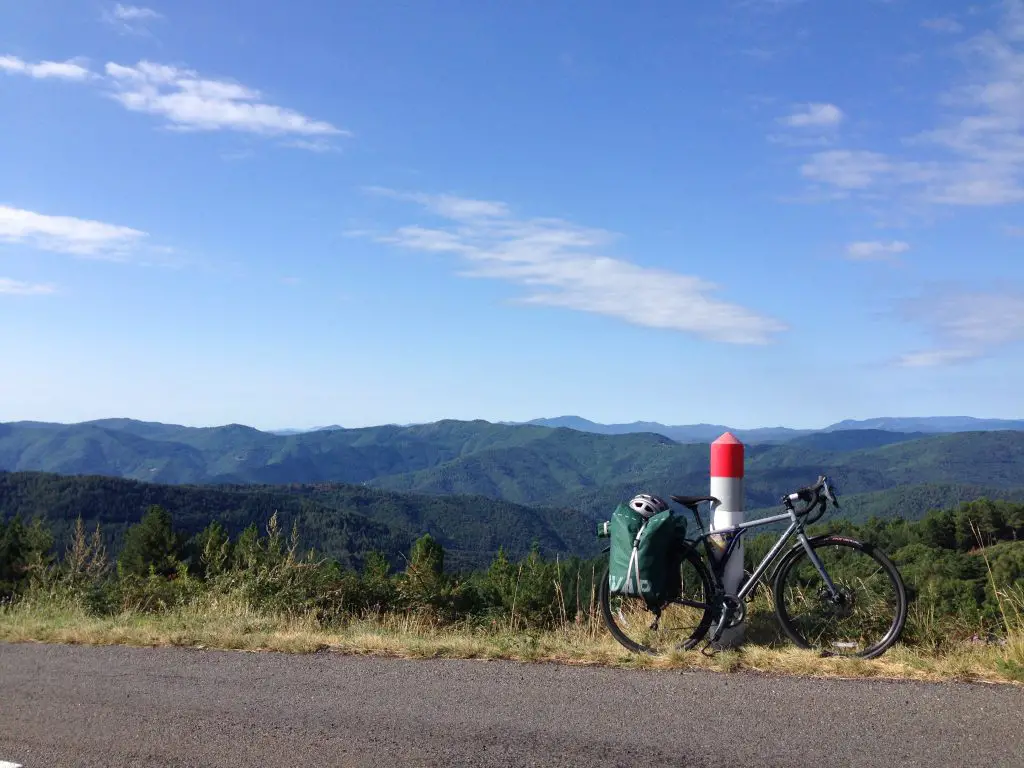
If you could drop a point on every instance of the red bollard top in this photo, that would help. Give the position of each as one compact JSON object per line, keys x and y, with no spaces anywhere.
{"x":727,"y":456}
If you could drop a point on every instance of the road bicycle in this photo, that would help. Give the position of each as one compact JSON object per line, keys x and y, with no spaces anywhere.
{"x":832,"y":594}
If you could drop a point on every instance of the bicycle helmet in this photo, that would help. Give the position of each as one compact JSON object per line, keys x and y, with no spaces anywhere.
{"x":647,"y":505}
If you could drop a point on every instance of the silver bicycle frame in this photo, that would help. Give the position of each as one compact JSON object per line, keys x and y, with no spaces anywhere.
{"x":795,"y":526}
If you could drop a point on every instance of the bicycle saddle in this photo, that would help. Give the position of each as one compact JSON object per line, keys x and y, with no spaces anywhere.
{"x":693,"y":501}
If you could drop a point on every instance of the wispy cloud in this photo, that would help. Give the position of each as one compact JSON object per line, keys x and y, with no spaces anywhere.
{"x":851,"y":169}
{"x":18,"y":288}
{"x":1015,"y":231}
{"x":188,"y":101}
{"x":876,"y":251}
{"x":66,"y":234}
{"x":131,"y":19}
{"x":965,"y":325}
{"x":134,"y":13}
{"x":448,"y":206}
{"x":943,"y":24}
{"x":193,"y":103}
{"x":936,"y":357}
{"x":61,"y":70}
{"x":563,"y":265}
{"x":312,"y":145}
{"x":975,"y":157}
{"x":817,"y":115}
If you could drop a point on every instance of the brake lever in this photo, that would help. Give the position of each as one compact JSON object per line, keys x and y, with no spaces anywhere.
{"x":830,"y":494}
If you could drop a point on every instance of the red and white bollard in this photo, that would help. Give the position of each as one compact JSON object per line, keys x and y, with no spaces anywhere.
{"x":727,"y":487}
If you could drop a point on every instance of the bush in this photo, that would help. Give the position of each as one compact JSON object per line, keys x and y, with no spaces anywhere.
{"x":956,"y":589}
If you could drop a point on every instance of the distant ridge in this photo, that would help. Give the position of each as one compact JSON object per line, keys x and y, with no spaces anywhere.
{"x":290,"y":431}
{"x":703,"y":433}
{"x":932,"y":424}
{"x":528,"y":464}
{"x":681,"y":433}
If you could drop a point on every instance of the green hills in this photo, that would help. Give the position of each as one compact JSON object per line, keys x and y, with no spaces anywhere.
{"x":474,"y":485}
{"x":340,"y":521}
{"x":894,"y":473}
{"x":522,"y":464}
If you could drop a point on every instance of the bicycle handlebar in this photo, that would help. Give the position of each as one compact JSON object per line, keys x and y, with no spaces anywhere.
{"x":818,"y":495}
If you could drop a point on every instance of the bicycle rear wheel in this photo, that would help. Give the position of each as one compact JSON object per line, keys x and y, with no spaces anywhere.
{"x":682,"y":623}
{"x":869,"y":613}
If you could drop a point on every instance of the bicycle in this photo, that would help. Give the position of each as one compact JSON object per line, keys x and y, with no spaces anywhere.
{"x":801,"y":581}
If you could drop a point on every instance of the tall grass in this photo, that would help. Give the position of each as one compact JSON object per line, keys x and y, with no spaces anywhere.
{"x":1010,"y":599}
{"x":262,"y":593}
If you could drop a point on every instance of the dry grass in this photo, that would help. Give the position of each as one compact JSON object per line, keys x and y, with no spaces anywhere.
{"x":230,"y":624}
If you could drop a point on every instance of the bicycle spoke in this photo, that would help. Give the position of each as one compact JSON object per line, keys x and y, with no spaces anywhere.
{"x":860,"y":619}
{"x":680,"y":624}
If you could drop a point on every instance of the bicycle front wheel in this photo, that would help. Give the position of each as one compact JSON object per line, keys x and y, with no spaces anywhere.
{"x":683,"y":622}
{"x":866,"y":616}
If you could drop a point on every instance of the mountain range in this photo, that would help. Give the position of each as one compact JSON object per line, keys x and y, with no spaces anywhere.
{"x":525,"y":464}
{"x":703,"y":433}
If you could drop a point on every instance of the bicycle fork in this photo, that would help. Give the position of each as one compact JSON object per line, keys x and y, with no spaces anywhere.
{"x":818,"y":565}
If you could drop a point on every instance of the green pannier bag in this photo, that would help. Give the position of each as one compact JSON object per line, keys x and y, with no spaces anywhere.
{"x":644,"y":557}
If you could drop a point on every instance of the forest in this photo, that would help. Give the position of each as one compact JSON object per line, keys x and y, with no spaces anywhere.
{"x":964,"y":568}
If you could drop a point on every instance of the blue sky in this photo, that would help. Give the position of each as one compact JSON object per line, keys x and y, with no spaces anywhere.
{"x":751,"y":212}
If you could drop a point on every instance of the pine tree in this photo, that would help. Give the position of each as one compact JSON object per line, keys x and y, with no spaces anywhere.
{"x":427,"y":557}
{"x":150,"y":545}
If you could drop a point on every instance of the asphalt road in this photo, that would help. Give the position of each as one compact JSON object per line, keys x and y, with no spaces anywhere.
{"x":83,"y":707}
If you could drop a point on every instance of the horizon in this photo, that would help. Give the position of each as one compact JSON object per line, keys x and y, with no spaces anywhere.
{"x":743,"y":212}
{"x":503,"y":422}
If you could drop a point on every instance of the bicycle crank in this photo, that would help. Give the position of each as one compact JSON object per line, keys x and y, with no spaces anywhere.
{"x":736,"y":612}
{"x":733,"y":611}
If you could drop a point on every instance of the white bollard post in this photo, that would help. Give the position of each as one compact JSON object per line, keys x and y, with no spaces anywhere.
{"x":727,"y":487}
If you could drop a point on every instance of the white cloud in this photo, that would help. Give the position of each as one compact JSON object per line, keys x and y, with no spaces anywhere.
{"x":936,"y":357}
{"x":190,"y":102}
{"x":1014,"y":28}
{"x":975,"y":156}
{"x":66,"y":234}
{"x":562,"y":265}
{"x":448,"y":206}
{"x":967,"y":325}
{"x":61,"y":70}
{"x":815,"y":115}
{"x":134,"y":13}
{"x":18,"y":288}
{"x":131,"y":19}
{"x":847,"y":169}
{"x":312,"y":145}
{"x":876,"y":251}
{"x":943,"y":24}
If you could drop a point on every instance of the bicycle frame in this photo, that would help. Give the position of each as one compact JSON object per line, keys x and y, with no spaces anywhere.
{"x":734,"y":533}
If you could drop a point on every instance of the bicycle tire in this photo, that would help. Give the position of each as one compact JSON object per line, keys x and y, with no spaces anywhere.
{"x":688,"y":555}
{"x":798,"y":554}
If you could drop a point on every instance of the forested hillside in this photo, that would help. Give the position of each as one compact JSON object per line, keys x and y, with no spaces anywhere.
{"x":341,"y":521}
{"x":530,"y":465}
